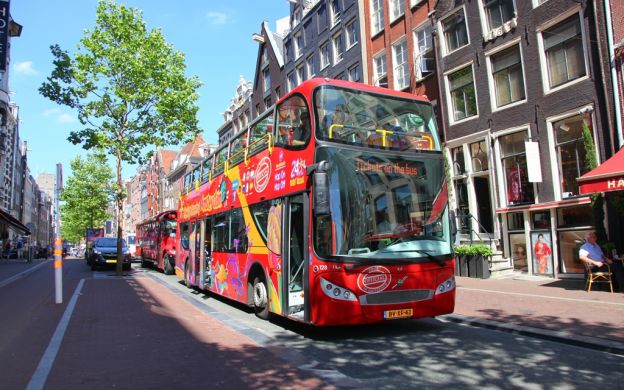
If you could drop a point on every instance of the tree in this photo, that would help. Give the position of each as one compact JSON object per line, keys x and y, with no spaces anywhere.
{"x":86,"y":196}
{"x":129,"y":89}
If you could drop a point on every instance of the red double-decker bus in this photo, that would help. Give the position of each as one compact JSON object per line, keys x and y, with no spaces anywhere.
{"x":331,"y":208}
{"x":156,"y":242}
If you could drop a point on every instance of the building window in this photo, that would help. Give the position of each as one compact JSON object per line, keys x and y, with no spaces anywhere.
{"x":299,"y":44}
{"x":478,"y":156}
{"x":455,"y":32}
{"x":324,"y":55}
{"x":351,"y":31}
{"x":397,"y":9}
{"x":459,"y":165}
{"x":499,"y":12}
{"x":354,"y":73}
{"x":267,"y":102}
{"x":300,"y":74}
{"x":463,"y":96}
{"x":513,"y":156}
{"x":297,"y":17}
{"x":377,"y":16}
{"x":380,"y":71}
{"x":292,"y":83}
{"x":563,"y":45}
{"x":335,"y":11}
{"x":265,"y":56}
{"x":288,"y":51}
{"x":570,"y":153}
{"x":401,"y":66}
{"x":508,"y":76}
{"x":424,"y":59}
{"x":338,"y":47}
{"x":310,"y":68}
{"x":266,"y":77}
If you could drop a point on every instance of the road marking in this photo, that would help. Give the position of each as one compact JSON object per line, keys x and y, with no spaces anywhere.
{"x":541,"y":296}
{"x":47,"y":360}
{"x":22,"y":274}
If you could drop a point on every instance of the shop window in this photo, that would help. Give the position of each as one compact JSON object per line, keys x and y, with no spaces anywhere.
{"x":540,"y":219}
{"x":574,"y":216}
{"x":515,"y":221}
{"x":571,"y":153}
{"x":478,"y":156}
{"x":569,"y":244}
{"x":518,"y":246}
{"x":513,"y":155}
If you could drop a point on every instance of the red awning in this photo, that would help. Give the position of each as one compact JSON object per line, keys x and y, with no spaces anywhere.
{"x":609,"y":176}
{"x":13,"y":222}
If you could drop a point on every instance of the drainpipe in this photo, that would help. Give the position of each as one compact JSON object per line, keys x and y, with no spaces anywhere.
{"x":616,"y":92}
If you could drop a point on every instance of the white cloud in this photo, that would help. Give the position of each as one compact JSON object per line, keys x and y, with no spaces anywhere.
{"x":58,"y":116}
{"x":51,"y":111}
{"x":65,"y":118}
{"x":25,"y":68}
{"x":217,"y":18}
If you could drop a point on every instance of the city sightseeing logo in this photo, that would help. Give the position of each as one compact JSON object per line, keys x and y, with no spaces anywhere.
{"x":262,"y":175}
{"x":374,"y":279}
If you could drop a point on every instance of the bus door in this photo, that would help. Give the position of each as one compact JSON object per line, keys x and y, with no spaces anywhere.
{"x":205,"y":281}
{"x":197,"y":252}
{"x":295,"y":257}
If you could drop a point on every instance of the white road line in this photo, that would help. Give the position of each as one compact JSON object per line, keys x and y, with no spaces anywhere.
{"x":542,"y":296}
{"x":22,"y":274}
{"x":47,"y":360}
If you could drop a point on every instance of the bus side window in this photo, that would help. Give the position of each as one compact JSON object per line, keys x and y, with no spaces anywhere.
{"x":238,"y":231}
{"x":184,"y":235}
{"x":220,"y":230}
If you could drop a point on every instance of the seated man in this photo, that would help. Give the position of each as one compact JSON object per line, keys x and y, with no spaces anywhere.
{"x":591,"y":253}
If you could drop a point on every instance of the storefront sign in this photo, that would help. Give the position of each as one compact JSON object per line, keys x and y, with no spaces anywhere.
{"x":533,"y":161}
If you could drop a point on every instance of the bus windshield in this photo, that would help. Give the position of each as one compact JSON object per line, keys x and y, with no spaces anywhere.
{"x":383,"y":207}
{"x":376,"y":121}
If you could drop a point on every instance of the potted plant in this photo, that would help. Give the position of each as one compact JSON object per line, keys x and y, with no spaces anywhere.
{"x":473,"y":260}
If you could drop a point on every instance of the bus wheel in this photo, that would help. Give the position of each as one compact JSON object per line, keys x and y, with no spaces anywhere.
{"x":260,"y":298}
{"x":167,"y":266}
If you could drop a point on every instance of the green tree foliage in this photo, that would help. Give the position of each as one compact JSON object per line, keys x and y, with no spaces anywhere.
{"x":129,"y":88}
{"x":86,"y":196}
{"x":597,"y":199}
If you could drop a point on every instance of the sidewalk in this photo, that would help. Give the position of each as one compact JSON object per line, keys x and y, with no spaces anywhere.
{"x":556,"y":309}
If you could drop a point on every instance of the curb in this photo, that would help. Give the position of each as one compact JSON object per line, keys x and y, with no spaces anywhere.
{"x":610,"y":346}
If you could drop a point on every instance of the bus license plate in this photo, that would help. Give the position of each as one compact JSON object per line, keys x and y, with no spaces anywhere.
{"x":111,"y":261}
{"x":401,"y":313}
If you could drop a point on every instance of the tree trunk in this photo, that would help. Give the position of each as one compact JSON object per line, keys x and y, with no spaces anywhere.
{"x":119,"y":205}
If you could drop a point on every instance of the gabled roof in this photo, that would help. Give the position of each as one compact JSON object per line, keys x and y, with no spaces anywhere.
{"x":192,"y":149}
{"x":166,"y":157}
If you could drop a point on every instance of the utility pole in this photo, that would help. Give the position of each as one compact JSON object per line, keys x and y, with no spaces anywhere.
{"x":58,"y":242}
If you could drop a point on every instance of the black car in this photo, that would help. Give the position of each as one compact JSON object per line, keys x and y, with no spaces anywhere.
{"x":104,"y":252}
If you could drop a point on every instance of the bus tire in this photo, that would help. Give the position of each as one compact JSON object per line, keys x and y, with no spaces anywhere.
{"x":260,"y":298}
{"x":167,"y":266}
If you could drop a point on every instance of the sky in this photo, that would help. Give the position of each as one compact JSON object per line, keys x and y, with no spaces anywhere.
{"x":215,"y":36}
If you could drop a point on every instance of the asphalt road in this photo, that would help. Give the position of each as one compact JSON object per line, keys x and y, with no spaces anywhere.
{"x":428,"y":353}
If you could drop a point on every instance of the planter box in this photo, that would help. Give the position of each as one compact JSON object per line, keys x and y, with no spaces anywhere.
{"x":478,"y":267}
{"x":461,"y":265}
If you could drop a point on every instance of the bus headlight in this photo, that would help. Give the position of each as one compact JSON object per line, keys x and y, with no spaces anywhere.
{"x":336,"y":292}
{"x":446,"y":286}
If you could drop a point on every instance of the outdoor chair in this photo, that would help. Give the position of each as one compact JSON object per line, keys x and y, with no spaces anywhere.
{"x":597,"y":276}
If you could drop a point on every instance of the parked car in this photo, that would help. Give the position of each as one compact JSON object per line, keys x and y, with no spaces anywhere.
{"x":104,"y":252}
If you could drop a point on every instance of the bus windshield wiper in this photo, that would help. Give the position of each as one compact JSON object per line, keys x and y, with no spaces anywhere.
{"x":437,"y":259}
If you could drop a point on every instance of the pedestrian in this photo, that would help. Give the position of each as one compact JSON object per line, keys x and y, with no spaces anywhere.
{"x":7,"y":248}
{"x":19,"y":248}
